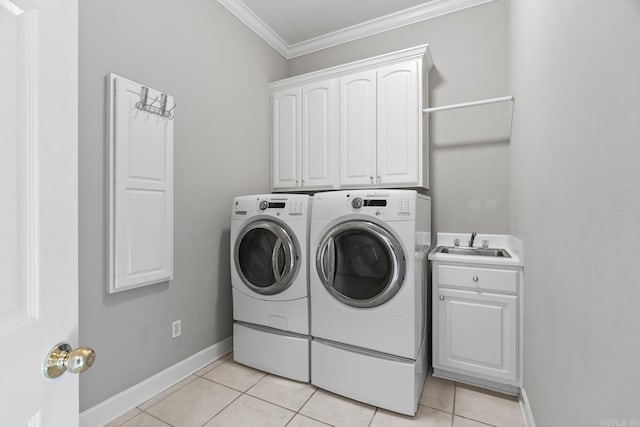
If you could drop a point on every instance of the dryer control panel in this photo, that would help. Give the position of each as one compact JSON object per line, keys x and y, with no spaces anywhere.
{"x":386,"y":205}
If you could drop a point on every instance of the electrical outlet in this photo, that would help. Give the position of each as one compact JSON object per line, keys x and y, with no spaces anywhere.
{"x":176,"y":329}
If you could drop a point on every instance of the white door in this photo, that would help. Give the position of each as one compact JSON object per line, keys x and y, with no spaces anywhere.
{"x":286,"y":139}
{"x":38,"y":214}
{"x":477,"y":333}
{"x":358,"y":129}
{"x":399,"y":145}
{"x":318,"y":134}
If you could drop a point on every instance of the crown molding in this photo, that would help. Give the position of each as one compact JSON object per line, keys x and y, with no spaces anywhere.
{"x":392,"y":21}
{"x":257,"y":25}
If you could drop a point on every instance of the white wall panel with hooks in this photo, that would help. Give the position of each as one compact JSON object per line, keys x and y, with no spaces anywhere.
{"x":140,"y":180}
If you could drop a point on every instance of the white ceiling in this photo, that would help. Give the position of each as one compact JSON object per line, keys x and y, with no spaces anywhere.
{"x":298,"y":27}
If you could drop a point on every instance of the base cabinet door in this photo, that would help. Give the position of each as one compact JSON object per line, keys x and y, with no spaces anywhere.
{"x":476,"y":334}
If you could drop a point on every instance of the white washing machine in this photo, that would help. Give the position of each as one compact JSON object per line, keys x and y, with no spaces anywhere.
{"x":369,"y":296}
{"x":269,"y":279}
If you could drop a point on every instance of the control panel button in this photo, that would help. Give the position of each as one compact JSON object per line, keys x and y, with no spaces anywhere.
{"x":357,"y":203}
{"x":263,"y":205}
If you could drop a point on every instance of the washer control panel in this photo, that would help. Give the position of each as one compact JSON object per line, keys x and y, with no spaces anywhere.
{"x":271,"y":205}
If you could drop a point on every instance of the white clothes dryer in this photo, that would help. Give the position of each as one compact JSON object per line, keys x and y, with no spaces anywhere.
{"x":269,"y":279}
{"x":369,"y":295}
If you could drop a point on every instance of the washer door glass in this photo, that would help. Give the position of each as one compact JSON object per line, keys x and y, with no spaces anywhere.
{"x":266,"y":257}
{"x":361,"y":263}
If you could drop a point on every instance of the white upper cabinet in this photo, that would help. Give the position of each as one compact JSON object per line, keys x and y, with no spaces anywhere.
{"x":357,"y":125}
{"x":286,"y":138}
{"x":318,"y":134}
{"x":399,"y":143}
{"x":303,"y":137}
{"x":358,"y":129}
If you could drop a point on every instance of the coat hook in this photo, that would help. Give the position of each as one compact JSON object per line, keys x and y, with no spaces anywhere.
{"x":163,"y":104}
{"x":144,"y":95}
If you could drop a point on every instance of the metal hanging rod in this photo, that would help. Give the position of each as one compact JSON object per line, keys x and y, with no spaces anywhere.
{"x":468,"y":104}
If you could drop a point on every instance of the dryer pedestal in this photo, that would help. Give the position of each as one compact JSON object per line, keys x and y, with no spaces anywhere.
{"x":390,"y":382}
{"x":277,"y":352}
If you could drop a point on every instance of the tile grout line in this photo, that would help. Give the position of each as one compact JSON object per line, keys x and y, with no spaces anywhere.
{"x":476,"y":421}
{"x":301,"y":406}
{"x":308,"y":416}
{"x":223,"y":360}
{"x":434,"y":408}
{"x":453,"y":408}
{"x":207,"y":379}
{"x":163,"y":391}
{"x":159,"y":419}
{"x":220,"y":411}
{"x":245,"y":393}
{"x":271,"y":403}
{"x":374,"y":415}
{"x":462,"y":416}
{"x":234,"y":389}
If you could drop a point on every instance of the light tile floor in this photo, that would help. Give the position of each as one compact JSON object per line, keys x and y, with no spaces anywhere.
{"x":225,"y":393}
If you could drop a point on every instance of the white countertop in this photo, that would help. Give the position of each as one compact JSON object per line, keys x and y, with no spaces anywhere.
{"x":499,"y":241}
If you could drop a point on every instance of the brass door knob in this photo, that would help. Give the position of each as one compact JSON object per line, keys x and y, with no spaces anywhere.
{"x":62,"y":358}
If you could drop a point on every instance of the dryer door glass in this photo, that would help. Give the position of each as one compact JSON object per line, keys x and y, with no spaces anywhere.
{"x":361,"y":263}
{"x":266,"y":257}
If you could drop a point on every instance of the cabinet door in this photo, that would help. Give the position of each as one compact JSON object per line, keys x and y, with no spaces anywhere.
{"x":399,"y":148}
{"x":286,"y":139}
{"x":475,"y":334}
{"x":318,"y":134}
{"x":358,"y":129}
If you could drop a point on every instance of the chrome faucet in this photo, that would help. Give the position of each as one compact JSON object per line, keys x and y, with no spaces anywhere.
{"x":473,"y":237}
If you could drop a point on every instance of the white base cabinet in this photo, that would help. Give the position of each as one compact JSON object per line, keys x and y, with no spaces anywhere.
{"x":476,"y":322}
{"x":358,"y":125}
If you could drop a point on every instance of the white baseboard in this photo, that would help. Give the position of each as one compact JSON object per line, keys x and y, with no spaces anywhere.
{"x":113,"y":407}
{"x":525,"y":408}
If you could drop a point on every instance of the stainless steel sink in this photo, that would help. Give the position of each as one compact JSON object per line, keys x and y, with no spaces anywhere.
{"x":457,"y":250}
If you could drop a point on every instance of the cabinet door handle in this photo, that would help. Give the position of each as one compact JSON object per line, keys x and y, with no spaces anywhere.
{"x":441,"y":297}
{"x":475,"y":279}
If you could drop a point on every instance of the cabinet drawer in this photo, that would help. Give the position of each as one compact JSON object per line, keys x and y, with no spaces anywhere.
{"x":477,"y":278}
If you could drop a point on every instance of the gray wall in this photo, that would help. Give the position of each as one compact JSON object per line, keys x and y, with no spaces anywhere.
{"x":575,"y":195}
{"x":218,"y":71}
{"x":469,"y":148}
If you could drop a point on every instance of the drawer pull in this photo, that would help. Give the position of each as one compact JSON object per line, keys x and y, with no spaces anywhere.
{"x":441,"y":297}
{"x":475,"y":279}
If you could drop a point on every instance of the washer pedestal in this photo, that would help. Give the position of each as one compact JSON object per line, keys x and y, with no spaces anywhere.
{"x":392,"y":383}
{"x":277,"y":352}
